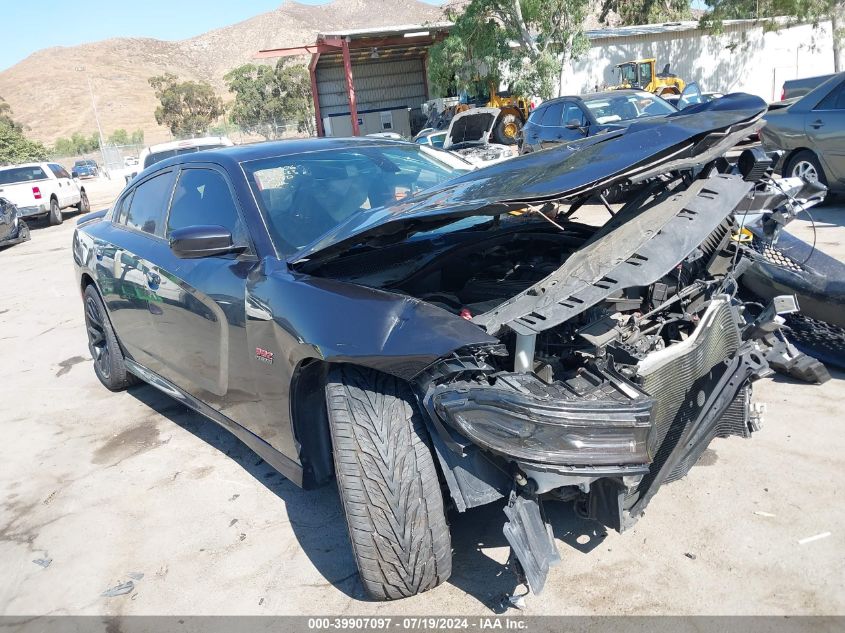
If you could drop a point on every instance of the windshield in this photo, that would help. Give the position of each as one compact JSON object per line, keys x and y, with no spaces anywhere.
{"x":306,"y":195}
{"x":627,"y":106}
{"x":155,"y":157}
{"x":21,"y":174}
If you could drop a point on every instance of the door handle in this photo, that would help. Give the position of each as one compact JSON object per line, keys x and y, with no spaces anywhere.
{"x":153,"y":280}
{"x":817,"y":124}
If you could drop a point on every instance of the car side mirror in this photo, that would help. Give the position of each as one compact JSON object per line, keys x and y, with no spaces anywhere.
{"x":193,"y":242}
{"x":575,"y":124}
{"x":74,"y":174}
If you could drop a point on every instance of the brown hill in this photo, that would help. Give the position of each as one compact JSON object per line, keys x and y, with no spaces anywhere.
{"x":49,"y":96}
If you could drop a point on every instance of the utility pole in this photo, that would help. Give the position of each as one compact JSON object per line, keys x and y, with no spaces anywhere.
{"x":96,"y":117}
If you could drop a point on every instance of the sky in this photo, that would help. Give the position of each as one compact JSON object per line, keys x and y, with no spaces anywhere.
{"x":31,"y":26}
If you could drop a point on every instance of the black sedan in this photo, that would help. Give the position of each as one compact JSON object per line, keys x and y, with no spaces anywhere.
{"x":366,"y":310}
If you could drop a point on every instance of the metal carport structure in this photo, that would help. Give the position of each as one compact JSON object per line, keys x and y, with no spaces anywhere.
{"x":360,"y":71}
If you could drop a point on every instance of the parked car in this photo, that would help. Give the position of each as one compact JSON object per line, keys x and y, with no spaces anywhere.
{"x":794,"y":88}
{"x":42,"y":190}
{"x":469,"y":137}
{"x":567,"y":119}
{"x":359,"y":308}
{"x":86,"y":169}
{"x":130,"y":161}
{"x":811,"y":131}
{"x":13,"y":229}
{"x":432,"y":137}
{"x":155,"y":153}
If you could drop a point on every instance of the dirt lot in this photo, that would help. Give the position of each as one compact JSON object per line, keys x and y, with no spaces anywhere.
{"x":111,"y":486}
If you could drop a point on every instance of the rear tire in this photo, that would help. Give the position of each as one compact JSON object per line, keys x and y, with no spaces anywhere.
{"x":55,"y":215}
{"x":805,"y":164}
{"x":102,"y":343}
{"x":83,"y":206}
{"x":388,"y":484}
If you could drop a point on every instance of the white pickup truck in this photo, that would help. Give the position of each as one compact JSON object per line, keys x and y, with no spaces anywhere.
{"x":42,"y":190}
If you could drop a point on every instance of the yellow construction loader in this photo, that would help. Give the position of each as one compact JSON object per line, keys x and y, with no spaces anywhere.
{"x":640,"y":73}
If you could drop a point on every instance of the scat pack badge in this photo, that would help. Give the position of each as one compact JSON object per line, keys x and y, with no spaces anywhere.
{"x":263,"y":355}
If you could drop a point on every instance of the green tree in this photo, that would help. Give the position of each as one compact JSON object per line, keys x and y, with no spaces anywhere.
{"x":795,"y":12}
{"x":646,"y":11}
{"x":528,"y":41}
{"x":187,"y":108}
{"x":119,"y":137}
{"x":16,"y":148}
{"x":268,"y":97}
{"x":137,"y":137}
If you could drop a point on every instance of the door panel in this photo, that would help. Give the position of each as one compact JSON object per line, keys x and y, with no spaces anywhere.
{"x":199,"y":326}
{"x":825,"y":127}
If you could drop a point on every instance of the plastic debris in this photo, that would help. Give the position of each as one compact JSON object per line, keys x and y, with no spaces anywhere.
{"x":43,"y":562}
{"x":517,"y":601}
{"x":119,"y":590}
{"x":815,"y":537}
{"x":760,"y":513}
{"x":690,"y":555}
{"x":135,"y":575}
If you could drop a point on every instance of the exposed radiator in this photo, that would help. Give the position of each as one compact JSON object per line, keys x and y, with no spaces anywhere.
{"x":679,"y":378}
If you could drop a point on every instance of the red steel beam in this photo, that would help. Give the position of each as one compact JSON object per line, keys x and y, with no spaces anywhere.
{"x":308,"y":49}
{"x":350,"y":88}
{"x":312,"y":71}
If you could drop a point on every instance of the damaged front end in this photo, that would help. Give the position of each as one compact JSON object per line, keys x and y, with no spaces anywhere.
{"x":621,"y":350}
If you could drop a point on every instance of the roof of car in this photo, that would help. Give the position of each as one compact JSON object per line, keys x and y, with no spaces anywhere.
{"x":606,"y":94}
{"x":269,"y":149}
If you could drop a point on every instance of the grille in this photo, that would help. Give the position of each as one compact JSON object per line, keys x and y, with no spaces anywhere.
{"x":679,"y":379}
{"x":821,"y":340}
{"x":773,"y":255}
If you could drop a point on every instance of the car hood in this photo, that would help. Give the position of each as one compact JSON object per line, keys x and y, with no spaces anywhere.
{"x":642,"y":150}
{"x":471,"y":126}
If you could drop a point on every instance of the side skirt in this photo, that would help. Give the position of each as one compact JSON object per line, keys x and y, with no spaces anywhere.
{"x":286,"y":467}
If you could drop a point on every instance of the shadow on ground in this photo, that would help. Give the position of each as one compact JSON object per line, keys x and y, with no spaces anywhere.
{"x":316,"y":517}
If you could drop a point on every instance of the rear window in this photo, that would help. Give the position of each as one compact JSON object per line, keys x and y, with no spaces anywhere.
{"x":21,"y":174}
{"x":155,"y":157}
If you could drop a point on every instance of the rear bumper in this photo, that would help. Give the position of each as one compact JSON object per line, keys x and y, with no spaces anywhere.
{"x":33,"y":211}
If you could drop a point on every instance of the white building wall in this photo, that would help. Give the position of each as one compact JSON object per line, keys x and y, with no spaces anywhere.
{"x":742,"y":59}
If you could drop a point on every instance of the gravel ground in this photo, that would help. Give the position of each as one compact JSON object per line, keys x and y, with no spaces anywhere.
{"x":98,"y":489}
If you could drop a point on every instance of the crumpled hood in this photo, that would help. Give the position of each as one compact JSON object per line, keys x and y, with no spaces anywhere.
{"x":644,"y":149}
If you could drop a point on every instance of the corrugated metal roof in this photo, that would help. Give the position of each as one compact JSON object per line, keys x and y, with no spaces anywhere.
{"x":655,"y":29}
{"x":400,"y":29}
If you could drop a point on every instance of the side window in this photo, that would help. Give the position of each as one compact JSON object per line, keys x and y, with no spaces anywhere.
{"x":119,"y":215}
{"x":645,"y":74}
{"x":552,"y":115}
{"x":57,"y":170}
{"x":203,"y":197}
{"x":835,"y":100}
{"x":572,"y":112}
{"x":149,"y":204}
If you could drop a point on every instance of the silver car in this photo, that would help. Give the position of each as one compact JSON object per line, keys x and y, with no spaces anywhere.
{"x":812,"y":132}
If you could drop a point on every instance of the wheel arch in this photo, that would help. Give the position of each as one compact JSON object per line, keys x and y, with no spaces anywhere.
{"x":794,"y":152}
{"x":310,"y":421}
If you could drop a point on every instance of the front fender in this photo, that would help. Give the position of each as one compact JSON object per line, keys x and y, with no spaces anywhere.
{"x":346,"y":323}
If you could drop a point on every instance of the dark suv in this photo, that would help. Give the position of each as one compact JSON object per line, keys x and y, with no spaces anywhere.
{"x":574,"y":117}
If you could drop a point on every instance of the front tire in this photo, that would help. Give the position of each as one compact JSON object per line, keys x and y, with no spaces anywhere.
{"x":55,"y":215}
{"x":102,"y":343}
{"x":507,"y":129}
{"x":388,"y":484}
